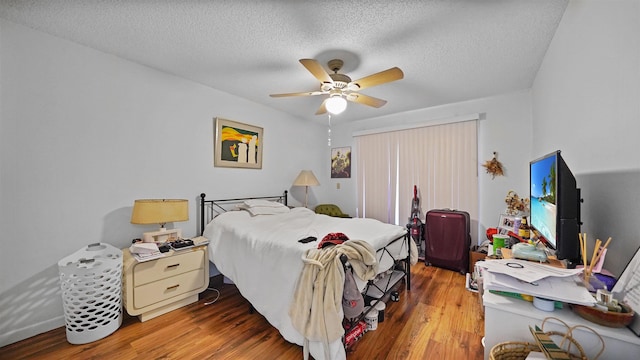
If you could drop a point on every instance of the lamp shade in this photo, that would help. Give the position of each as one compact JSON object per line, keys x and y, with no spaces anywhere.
{"x":306,"y":178}
{"x":159,"y":211}
{"x":336,"y":104}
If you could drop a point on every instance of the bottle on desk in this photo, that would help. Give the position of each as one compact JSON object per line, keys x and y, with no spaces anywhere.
{"x":524,"y":231}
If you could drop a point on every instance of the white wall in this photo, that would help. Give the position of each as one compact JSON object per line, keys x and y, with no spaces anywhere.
{"x":84,"y":133}
{"x":586,"y":102}
{"x":504,"y":127}
{"x":587,"y":93}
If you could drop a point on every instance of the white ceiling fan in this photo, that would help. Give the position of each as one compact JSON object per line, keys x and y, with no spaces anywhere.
{"x":340,"y":88}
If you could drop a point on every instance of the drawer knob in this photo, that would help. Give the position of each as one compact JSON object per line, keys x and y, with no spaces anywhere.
{"x":173,"y":287}
{"x":172,"y":266}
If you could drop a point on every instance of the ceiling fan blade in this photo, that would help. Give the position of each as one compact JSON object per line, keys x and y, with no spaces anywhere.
{"x":382,"y":77}
{"x":323,"y":108}
{"x":317,"y":70}
{"x":308,"y":93}
{"x":366,"y":100}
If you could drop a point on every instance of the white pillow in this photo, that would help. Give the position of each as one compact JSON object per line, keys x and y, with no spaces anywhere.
{"x":262,"y":203}
{"x":267,"y":210}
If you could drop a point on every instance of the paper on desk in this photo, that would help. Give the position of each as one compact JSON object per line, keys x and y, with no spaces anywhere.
{"x":144,"y":248}
{"x":148,"y":256}
{"x":536,"y":355}
{"x":526,"y":270}
{"x":566,"y":289}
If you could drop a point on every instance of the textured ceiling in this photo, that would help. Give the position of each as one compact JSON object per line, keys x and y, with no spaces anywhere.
{"x":449,"y":51}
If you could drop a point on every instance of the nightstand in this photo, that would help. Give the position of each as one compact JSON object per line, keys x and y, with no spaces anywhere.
{"x":155,"y":287}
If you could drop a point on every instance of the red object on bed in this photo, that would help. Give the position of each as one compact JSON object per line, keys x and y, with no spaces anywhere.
{"x":332,"y":239}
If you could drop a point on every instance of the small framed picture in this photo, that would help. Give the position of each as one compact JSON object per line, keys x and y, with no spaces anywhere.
{"x":341,"y":162}
{"x":237,"y":145}
{"x":507,"y":222}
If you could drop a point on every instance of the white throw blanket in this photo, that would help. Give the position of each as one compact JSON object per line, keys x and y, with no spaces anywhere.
{"x":316,"y":309}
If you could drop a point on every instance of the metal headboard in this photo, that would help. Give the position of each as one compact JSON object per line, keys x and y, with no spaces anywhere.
{"x":210,"y":208}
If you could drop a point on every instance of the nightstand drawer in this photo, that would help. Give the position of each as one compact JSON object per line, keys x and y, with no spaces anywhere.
{"x":163,"y":268}
{"x":167,"y":288}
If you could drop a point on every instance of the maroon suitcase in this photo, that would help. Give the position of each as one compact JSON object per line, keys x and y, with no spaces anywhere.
{"x":447,"y":239}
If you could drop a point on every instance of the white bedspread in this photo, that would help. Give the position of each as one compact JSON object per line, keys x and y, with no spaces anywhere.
{"x":262,"y":256}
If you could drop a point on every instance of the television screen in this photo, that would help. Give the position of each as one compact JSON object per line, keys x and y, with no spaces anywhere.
{"x":543,"y":197}
{"x":555,"y":206}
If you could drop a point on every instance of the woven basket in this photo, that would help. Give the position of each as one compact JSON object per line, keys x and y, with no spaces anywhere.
{"x":512,"y":350}
{"x":516,"y":350}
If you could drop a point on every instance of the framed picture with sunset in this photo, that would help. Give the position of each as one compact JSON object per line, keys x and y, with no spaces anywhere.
{"x":237,"y":145}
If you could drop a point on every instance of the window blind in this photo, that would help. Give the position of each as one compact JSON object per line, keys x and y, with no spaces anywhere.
{"x":441,"y":160}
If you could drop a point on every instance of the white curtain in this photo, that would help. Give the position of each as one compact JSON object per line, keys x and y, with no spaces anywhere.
{"x":441,"y":160}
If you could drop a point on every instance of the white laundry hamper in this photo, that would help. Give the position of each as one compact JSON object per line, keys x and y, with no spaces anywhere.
{"x":91,"y":284}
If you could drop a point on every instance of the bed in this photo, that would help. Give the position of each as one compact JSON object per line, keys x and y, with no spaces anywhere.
{"x":257,"y":248}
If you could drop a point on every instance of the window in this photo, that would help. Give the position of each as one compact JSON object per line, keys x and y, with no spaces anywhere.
{"x":441,"y":160}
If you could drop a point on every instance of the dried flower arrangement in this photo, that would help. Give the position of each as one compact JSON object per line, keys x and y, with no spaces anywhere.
{"x":515,"y":204}
{"x":494,"y":167}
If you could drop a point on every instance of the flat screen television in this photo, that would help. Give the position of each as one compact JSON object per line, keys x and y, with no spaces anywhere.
{"x":555,"y":206}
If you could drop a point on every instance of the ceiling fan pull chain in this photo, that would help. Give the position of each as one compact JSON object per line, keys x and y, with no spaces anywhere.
{"x":329,"y":132}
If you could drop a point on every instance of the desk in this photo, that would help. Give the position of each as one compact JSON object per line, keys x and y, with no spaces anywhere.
{"x":508,"y":319}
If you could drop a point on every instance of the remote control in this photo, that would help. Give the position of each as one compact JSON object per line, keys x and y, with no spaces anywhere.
{"x":308,"y":239}
{"x":181,"y":243}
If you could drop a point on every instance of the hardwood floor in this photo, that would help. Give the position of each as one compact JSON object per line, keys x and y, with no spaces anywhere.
{"x":437,"y":319}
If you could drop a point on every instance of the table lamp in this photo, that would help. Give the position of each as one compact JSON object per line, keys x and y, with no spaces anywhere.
{"x":160,"y":211}
{"x":306,"y":179}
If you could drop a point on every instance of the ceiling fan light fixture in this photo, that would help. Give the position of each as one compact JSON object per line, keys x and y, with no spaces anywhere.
{"x":336,"y":104}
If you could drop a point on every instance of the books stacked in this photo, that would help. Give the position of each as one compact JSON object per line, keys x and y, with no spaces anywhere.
{"x":145,"y":251}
